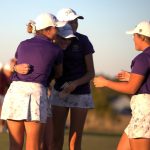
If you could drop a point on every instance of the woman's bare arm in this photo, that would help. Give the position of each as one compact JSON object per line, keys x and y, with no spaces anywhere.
{"x":129,"y":87}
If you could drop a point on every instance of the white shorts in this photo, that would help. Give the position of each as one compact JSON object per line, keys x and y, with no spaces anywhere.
{"x":139,"y":125}
{"x":26,"y":101}
{"x":72,"y":100}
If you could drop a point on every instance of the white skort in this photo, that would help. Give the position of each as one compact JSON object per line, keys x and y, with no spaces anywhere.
{"x":26,"y":101}
{"x":139,"y":125}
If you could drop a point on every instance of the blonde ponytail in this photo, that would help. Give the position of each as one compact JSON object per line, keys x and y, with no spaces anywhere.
{"x":31,"y":28}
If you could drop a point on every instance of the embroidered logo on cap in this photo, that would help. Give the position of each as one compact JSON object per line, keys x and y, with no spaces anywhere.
{"x":68,"y":12}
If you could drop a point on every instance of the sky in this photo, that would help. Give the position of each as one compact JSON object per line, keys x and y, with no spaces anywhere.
{"x":105,"y":24}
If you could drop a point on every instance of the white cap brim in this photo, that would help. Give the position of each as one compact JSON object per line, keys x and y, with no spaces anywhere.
{"x":130,"y":32}
{"x":60,"y":23}
{"x":142,"y":28}
{"x":66,"y":36}
{"x":80,"y":17}
{"x":70,"y":36}
{"x":73,"y":17}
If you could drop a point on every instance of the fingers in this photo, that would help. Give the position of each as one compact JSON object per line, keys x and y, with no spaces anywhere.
{"x":120,"y":74}
{"x":25,"y":68}
{"x":123,"y":76}
{"x":22,"y":68}
{"x":96,"y":81}
{"x":99,"y":81}
{"x":63,"y":94}
{"x":67,"y":87}
{"x":66,"y":84}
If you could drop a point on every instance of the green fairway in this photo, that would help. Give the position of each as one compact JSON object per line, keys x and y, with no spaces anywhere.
{"x":91,"y":141}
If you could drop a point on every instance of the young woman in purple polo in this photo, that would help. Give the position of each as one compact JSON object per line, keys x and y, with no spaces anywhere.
{"x":25,"y":105}
{"x":72,"y":90}
{"x":63,"y":40}
{"x":137,"y":134}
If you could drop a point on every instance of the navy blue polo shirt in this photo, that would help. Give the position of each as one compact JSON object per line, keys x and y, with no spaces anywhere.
{"x":41,"y":54}
{"x":74,"y":66}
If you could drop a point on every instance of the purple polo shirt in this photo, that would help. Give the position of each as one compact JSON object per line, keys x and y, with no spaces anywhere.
{"x":74,"y":66}
{"x":141,"y":65}
{"x":41,"y":54}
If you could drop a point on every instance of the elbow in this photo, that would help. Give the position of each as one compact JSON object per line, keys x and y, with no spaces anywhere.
{"x":132,"y":91}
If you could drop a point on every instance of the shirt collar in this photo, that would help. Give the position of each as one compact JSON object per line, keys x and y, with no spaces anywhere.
{"x":42,"y":37}
{"x":147,"y":50}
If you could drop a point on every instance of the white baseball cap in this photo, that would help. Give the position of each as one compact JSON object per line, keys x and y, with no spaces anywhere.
{"x":45,"y":20}
{"x":143,"y":28}
{"x":67,"y":14}
{"x":66,"y":32}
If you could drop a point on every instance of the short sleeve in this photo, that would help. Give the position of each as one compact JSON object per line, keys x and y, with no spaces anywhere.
{"x":18,"y":49}
{"x":16,"y":55}
{"x":140,"y":65}
{"x":59,"y":59}
{"x":87,"y":46}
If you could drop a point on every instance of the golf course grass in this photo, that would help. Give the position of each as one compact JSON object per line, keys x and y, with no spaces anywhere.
{"x":91,"y":141}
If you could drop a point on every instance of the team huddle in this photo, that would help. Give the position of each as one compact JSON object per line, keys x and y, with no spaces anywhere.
{"x":57,"y":52}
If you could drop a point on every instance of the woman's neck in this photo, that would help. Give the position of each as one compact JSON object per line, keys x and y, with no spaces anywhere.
{"x":44,"y":35}
{"x":144,"y":46}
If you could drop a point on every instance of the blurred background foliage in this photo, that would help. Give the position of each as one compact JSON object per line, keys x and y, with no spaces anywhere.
{"x":103,"y":98}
